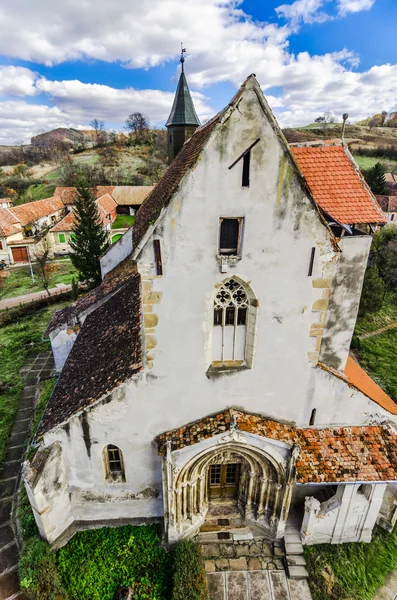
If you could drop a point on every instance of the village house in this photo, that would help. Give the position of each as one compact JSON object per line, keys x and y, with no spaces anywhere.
{"x":22,"y":228}
{"x":212,"y":365}
{"x":62,"y":232}
{"x":389,"y":206}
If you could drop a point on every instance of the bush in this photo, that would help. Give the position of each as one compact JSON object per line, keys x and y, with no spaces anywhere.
{"x":351,"y":571}
{"x":95,"y":564}
{"x":38,"y":572}
{"x":189,"y":582}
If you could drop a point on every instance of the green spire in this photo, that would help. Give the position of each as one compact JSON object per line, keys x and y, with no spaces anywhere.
{"x":183,"y":112}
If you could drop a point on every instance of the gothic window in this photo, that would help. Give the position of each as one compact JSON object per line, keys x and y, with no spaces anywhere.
{"x":114,"y":464}
{"x":230,"y":237}
{"x":230,"y":322}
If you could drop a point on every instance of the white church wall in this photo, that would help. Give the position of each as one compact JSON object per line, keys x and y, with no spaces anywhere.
{"x":281,"y":227}
{"x":344,"y":301}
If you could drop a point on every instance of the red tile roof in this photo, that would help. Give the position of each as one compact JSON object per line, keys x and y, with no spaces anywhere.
{"x":360,"y":379}
{"x":387,"y":203}
{"x":330,"y":455}
{"x":106,"y":204}
{"x":32,"y":211}
{"x":9,"y":224}
{"x":66,"y":194}
{"x":337,"y":187}
{"x":66,"y":224}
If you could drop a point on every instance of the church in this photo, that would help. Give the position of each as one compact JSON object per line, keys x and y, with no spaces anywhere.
{"x":213,"y":362}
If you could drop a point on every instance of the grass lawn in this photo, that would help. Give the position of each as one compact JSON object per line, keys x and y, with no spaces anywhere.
{"x":123,"y":221}
{"x":39,"y":191}
{"x":366,"y":162}
{"x":385,"y":316}
{"x":351,"y":571}
{"x":18,"y":341}
{"x":19,"y":281}
{"x":378,"y":354}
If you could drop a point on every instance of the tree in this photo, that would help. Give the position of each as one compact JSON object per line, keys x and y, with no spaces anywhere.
{"x":375,"y":177}
{"x":384,"y":255}
{"x":44,"y":268}
{"x":98,"y":127}
{"x":90,"y":239}
{"x":138,"y":124}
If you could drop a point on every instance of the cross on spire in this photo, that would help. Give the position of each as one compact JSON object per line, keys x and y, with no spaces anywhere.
{"x":183,"y":51}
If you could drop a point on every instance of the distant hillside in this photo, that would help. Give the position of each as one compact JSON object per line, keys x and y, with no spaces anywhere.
{"x":63,"y":135}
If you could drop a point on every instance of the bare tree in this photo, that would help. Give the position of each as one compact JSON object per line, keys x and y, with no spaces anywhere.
{"x":44,"y":268}
{"x":98,"y":127}
{"x":138,"y":124}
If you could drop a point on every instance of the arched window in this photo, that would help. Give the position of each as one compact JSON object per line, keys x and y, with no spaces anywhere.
{"x":114,"y":464}
{"x":234,"y":313}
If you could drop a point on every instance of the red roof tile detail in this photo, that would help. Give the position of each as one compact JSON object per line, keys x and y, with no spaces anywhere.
{"x":363,"y":382}
{"x":336,"y":184}
{"x":66,"y":224}
{"x":66,"y":194}
{"x":106,"y":204}
{"x":337,"y":454}
{"x":32,"y":211}
{"x":9,"y":224}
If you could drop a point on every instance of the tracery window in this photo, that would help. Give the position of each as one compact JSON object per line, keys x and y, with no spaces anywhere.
{"x":230,"y":322}
{"x":114,"y":463}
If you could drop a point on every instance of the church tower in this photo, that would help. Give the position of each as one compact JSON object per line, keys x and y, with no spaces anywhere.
{"x":183,"y":120}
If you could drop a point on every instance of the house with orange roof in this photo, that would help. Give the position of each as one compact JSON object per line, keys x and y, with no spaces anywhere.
{"x":23,"y":227}
{"x":209,"y":376}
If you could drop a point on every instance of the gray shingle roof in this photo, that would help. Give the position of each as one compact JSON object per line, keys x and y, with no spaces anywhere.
{"x":183,"y":111}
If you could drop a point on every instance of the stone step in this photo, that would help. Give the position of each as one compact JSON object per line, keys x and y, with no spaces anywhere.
{"x":293,"y":548}
{"x":236,"y":550}
{"x":9,"y":585}
{"x":292,"y":538}
{"x":9,"y":558}
{"x":299,"y":589}
{"x":296,"y":560}
{"x":298,"y":572}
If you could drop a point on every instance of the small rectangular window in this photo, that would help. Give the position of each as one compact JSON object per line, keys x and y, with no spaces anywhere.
{"x":242,"y":316}
{"x":1,"y":245}
{"x":246,"y":169}
{"x":157,"y":257}
{"x":61,"y":237}
{"x":310,"y":273}
{"x":217,"y":316}
{"x":230,"y":237}
{"x":229,"y":316}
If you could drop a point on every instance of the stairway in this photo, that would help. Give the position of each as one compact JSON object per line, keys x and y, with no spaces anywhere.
{"x":242,"y":564}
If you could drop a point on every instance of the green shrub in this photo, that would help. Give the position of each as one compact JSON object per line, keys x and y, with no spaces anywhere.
{"x":189,"y":582}
{"x":38,"y":572}
{"x":351,"y":571}
{"x":94,"y":564}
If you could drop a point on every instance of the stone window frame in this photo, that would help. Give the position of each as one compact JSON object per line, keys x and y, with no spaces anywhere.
{"x":251,"y":328}
{"x":241,"y":223}
{"x":113,"y":476}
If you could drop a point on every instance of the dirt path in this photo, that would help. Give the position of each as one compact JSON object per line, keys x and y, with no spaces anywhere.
{"x":18,"y":300}
{"x":364,"y":336}
{"x":36,"y":369}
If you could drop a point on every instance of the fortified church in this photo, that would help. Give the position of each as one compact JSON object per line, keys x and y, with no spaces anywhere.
{"x":212,"y":364}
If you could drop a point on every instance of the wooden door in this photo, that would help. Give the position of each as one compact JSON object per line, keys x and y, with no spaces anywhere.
{"x":20,"y":254}
{"x":223,"y":480}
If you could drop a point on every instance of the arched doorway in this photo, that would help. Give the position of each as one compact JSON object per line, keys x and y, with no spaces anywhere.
{"x":260,"y":483}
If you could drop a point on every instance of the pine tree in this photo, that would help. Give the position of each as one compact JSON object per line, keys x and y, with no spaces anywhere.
{"x":89,"y":240}
{"x":375,"y":177}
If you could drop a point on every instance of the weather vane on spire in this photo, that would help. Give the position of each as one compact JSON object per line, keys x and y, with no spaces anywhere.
{"x":183,"y":51}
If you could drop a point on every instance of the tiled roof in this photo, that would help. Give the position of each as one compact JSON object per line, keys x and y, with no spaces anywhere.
{"x":164,"y":190}
{"x":329,"y":455}
{"x":106,"y":204}
{"x":101,"y":190}
{"x":106,"y":353}
{"x":66,"y":194}
{"x":387,"y":203}
{"x":112,"y":281}
{"x":337,"y":187}
{"x":363,"y":382}
{"x":66,"y":224}
{"x":126,"y":195}
{"x":32,"y":211}
{"x":9,"y":224}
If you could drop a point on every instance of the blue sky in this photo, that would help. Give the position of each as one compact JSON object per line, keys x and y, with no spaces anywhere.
{"x":63,"y":66}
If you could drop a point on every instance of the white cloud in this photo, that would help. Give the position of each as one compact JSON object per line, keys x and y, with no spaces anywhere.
{"x":354,"y":6}
{"x":306,"y":11}
{"x":17,"y":81}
